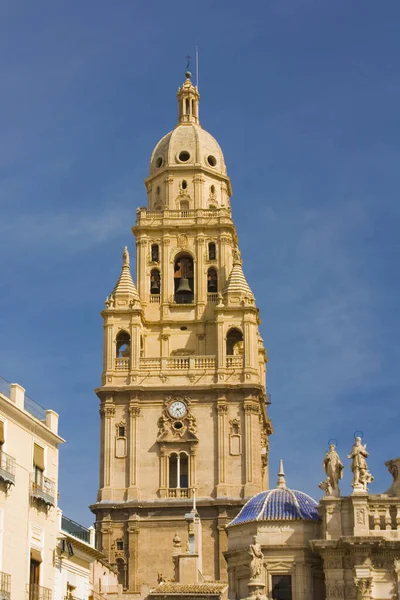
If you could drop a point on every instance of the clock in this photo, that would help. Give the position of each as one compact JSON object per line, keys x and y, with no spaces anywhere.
{"x":177,"y":409}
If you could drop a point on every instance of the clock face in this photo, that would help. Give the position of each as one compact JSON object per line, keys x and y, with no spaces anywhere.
{"x":177,"y":409}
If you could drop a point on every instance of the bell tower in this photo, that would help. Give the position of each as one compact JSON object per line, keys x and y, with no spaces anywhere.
{"x":183,"y":399}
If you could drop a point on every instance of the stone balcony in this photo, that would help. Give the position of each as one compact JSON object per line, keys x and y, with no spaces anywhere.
{"x":168,"y":217}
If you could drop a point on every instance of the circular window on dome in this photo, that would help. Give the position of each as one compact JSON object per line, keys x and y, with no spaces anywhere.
{"x":184,"y":156}
{"x":212,"y":161}
{"x":159,"y":162}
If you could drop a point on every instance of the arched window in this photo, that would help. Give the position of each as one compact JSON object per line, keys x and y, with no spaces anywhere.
{"x":123,"y":344}
{"x":122,"y":572}
{"x":234,"y":342}
{"x":179,"y":470}
{"x":212,"y":251}
{"x":184,"y":184}
{"x":212,"y":281}
{"x":155,"y":253}
{"x":183,"y":279}
{"x":155,"y":282}
{"x":212,"y":190}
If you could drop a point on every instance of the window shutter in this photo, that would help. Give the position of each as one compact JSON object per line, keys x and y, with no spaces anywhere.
{"x":1,"y":432}
{"x":38,"y":457}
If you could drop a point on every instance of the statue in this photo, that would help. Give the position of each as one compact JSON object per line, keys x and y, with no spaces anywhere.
{"x":257,"y":559}
{"x":361,"y":475}
{"x":333,"y":467}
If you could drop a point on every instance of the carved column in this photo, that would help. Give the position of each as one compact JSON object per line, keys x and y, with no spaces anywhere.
{"x":192,"y":458}
{"x":165,"y":344}
{"x":222,"y":409}
{"x":363,"y":587}
{"x":163,"y":472}
{"x":225,"y":260}
{"x":106,"y":539}
{"x":133,"y":547}
{"x":135,"y":347}
{"x":334,"y":575}
{"x":134,"y":412}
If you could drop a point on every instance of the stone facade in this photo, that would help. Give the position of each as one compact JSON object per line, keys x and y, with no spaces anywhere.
{"x":183,"y":394}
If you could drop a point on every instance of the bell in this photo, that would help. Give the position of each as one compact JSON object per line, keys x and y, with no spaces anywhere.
{"x":183,"y":286}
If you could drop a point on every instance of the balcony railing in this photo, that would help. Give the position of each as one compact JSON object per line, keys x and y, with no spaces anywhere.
{"x":180,"y":363}
{"x":7,"y":469}
{"x":179,"y":492}
{"x":75,"y":529}
{"x":234,"y":362}
{"x":37,"y":592}
{"x":122,"y":364}
{"x":212,"y":297}
{"x":44,"y":491}
{"x":5,"y":586}
{"x":200,"y":213}
{"x":155,"y":298}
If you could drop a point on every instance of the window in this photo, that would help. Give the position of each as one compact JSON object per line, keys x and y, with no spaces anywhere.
{"x":179,"y":470}
{"x":2,"y":440}
{"x":184,"y":156}
{"x":121,"y":430}
{"x":155,"y":282}
{"x":120,"y":544}
{"x":155,"y":253}
{"x":184,"y":184}
{"x":123,"y":344}
{"x":183,"y":279}
{"x":212,"y":161}
{"x":38,"y":465}
{"x":234,"y":342}
{"x":184,"y":205}
{"x":281,"y":587}
{"x":122,"y":572}
{"x":212,"y":281}
{"x":212,"y":251}
{"x":212,"y":190}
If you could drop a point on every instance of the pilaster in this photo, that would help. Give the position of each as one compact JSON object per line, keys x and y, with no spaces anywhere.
{"x":251,"y":411}
{"x":222,"y":409}
{"x":107,"y":413}
{"x":133,"y":547}
{"x":134,"y":413}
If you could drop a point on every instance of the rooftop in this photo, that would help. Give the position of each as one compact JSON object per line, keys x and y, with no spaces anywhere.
{"x":32,"y":407}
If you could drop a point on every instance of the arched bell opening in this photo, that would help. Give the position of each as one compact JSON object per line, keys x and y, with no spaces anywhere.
{"x":155,"y":282}
{"x":234,"y":342}
{"x":123,"y":344}
{"x":183,"y":279}
{"x":212,"y":281}
{"x":122,"y":572}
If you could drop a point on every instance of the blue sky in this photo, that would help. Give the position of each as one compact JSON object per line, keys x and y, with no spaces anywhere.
{"x":304,"y":97}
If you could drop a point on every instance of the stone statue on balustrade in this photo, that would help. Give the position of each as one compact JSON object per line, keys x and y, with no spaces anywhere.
{"x":333,"y":467}
{"x":361,"y":476}
{"x":257,"y":559}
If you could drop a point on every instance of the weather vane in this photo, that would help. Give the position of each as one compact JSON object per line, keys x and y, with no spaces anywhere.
{"x":188,"y":58}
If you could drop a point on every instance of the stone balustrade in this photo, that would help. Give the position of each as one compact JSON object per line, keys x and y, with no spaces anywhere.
{"x":179,"y":363}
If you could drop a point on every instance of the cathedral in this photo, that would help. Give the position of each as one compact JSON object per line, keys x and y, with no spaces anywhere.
{"x":184,"y":506}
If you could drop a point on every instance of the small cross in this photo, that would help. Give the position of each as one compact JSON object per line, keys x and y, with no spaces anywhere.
{"x":188,"y":58}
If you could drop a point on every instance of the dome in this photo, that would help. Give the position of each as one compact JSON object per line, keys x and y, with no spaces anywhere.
{"x":279,"y":504}
{"x":188,"y":144}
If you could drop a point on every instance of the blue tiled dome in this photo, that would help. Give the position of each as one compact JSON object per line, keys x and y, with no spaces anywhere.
{"x":280,"y":504}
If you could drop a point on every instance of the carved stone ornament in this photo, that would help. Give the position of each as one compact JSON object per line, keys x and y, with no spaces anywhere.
{"x":363,"y":587}
{"x":177,"y":422}
{"x":335,"y":589}
{"x":183,"y":240}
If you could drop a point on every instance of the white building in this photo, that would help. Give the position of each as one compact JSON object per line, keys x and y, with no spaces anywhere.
{"x":28,"y":495}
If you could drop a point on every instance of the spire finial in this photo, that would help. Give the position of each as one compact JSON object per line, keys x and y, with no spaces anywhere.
{"x":281,"y":483}
{"x":125,"y":257}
